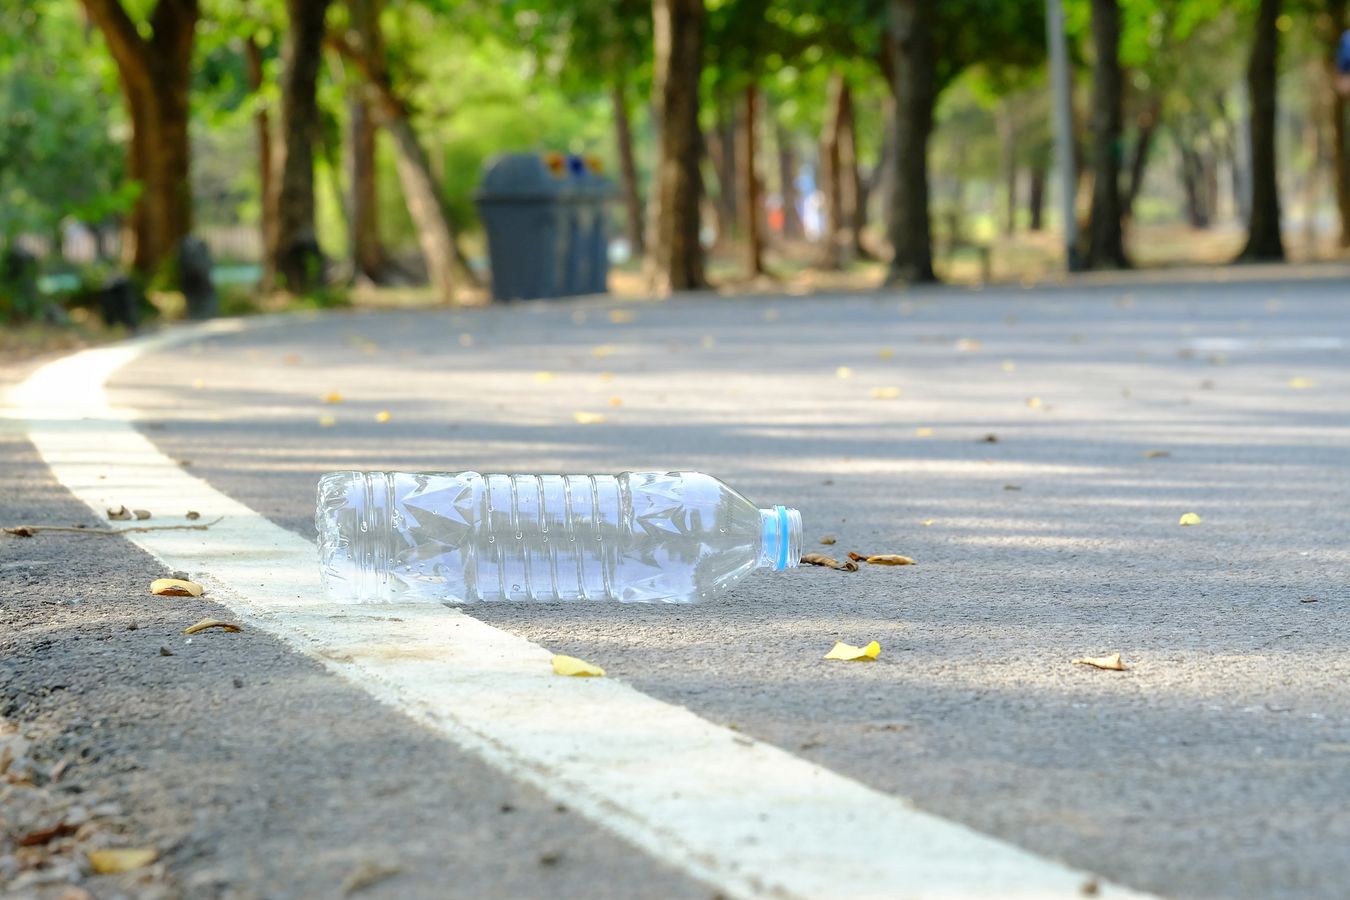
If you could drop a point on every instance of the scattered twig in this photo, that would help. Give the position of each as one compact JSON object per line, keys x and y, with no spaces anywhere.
{"x":31,"y":530}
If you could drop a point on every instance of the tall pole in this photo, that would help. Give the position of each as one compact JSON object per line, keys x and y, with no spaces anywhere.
{"x":1063,"y":107}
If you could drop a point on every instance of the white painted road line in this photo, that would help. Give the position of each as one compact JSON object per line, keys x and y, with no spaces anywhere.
{"x":743,"y":816}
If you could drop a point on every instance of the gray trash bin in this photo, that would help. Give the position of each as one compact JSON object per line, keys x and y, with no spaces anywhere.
{"x":524,"y":207}
{"x":591,"y":251}
{"x":547,"y":226}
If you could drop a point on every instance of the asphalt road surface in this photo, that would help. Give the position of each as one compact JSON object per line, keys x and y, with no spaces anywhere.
{"x":1033,"y":449}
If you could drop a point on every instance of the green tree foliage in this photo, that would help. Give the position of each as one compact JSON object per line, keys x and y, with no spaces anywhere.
{"x":60,"y":124}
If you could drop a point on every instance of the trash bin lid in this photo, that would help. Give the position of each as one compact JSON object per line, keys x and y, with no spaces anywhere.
{"x":521,"y":176}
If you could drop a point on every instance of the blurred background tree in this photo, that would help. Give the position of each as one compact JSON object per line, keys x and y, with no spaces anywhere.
{"x":831,"y":142}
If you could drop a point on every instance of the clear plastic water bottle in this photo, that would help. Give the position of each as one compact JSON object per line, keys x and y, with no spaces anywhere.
{"x":671,"y":537}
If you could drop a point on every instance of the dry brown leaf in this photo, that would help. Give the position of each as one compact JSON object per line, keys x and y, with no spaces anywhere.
{"x":212,"y":623}
{"x":1156,"y":454}
{"x":990,"y":438}
{"x":20,"y":531}
{"x":141,"y":514}
{"x":829,"y":562}
{"x":888,"y":559}
{"x":176,"y":587}
{"x":1012,"y":487}
{"x":366,"y":874}
{"x":1111,"y":663}
{"x":46,"y":835}
{"x":121,"y":514}
{"x":124,"y":859}
{"x":968,"y":345}
{"x":193,"y":515}
{"x":827,"y":540}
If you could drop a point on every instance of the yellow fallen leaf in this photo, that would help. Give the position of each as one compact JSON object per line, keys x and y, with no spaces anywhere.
{"x":1301,"y":384}
{"x":383,"y":416}
{"x":885,"y":393}
{"x":327,"y":421}
{"x":543,"y":377}
{"x":176,"y":587}
{"x":291,"y":359}
{"x":588,"y":418}
{"x":843,"y":372}
{"x":923,"y":431}
{"x":1034,"y":402}
{"x":850,"y":653}
{"x":570,"y":665}
{"x":885,"y":353}
{"x":1111,"y":662}
{"x":615,"y":401}
{"x":606,"y":376}
{"x":332,"y":397}
{"x":198,"y":384}
{"x":888,"y":559}
{"x":212,"y":623}
{"x":968,"y":345}
{"x":621,"y":316}
{"x":1190,"y":519}
{"x":123,"y":859}
{"x":926,"y":522}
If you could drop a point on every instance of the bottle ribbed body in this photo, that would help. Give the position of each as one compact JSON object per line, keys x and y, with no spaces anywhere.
{"x":464,"y":537}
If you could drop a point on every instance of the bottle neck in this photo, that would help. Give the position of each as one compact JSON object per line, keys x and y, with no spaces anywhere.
{"x":780,"y":544}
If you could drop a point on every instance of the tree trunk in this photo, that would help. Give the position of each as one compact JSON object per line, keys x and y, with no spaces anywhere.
{"x":628,"y":176}
{"x":721,"y":147}
{"x":675,"y":256}
{"x":295,"y":255}
{"x":1007,"y":135}
{"x":833,"y":247}
{"x":155,"y":72}
{"x":364,"y":46}
{"x":1263,"y":228}
{"x":787,"y":182}
{"x":913,"y":80}
{"x":850,"y":181}
{"x":363,"y":207}
{"x":1147,"y":123}
{"x":1192,"y":183}
{"x":750,"y":203}
{"x":427,"y":209}
{"x":1338,"y":109}
{"x":1036,"y":197}
{"x":262,"y":126}
{"x":1105,"y":239}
